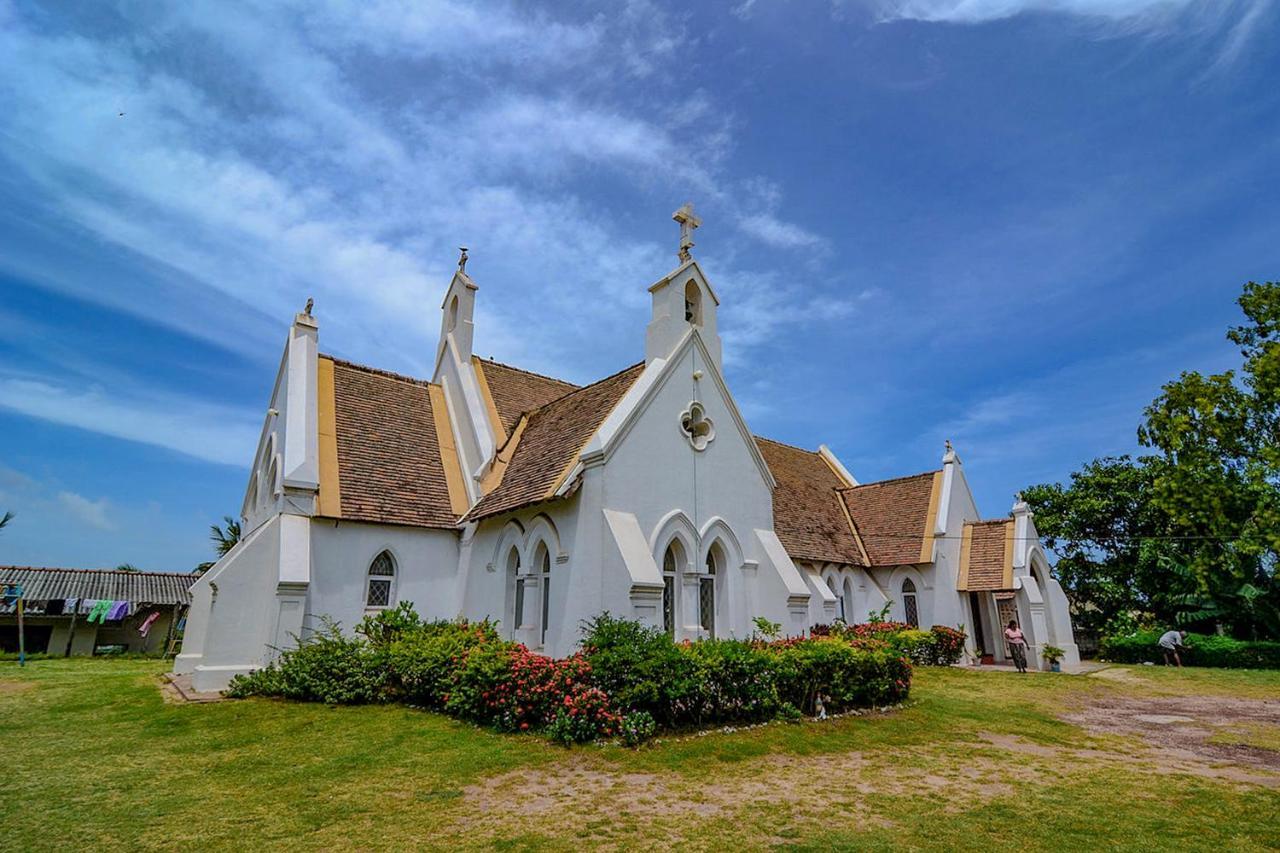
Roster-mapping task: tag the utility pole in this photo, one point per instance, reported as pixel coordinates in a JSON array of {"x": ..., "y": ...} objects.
[{"x": 14, "y": 590}]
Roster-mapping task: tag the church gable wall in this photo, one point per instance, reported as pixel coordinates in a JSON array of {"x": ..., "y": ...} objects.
[{"x": 654, "y": 471}]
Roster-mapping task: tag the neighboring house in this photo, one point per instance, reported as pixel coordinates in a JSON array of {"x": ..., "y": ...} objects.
[
  {"x": 58, "y": 604},
  {"x": 492, "y": 492}
]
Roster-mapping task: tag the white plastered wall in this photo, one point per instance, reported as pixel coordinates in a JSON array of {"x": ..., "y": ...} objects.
[{"x": 425, "y": 559}]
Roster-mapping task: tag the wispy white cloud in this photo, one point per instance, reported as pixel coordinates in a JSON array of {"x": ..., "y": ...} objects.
[
  {"x": 773, "y": 231},
  {"x": 972, "y": 11},
  {"x": 182, "y": 424},
  {"x": 1231, "y": 24},
  {"x": 302, "y": 181},
  {"x": 92, "y": 513}
]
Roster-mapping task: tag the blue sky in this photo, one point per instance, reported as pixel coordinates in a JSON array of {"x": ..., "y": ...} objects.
[{"x": 1005, "y": 222}]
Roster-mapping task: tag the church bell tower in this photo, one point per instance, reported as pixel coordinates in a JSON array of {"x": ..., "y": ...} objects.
[{"x": 682, "y": 300}]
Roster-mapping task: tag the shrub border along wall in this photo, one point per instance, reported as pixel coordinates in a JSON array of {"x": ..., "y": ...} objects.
[
  {"x": 1202, "y": 650},
  {"x": 629, "y": 680}
]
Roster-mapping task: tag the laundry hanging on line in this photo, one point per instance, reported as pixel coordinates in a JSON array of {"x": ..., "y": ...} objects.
[{"x": 145, "y": 627}]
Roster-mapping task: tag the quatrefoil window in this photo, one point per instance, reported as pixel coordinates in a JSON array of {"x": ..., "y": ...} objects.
[{"x": 696, "y": 426}]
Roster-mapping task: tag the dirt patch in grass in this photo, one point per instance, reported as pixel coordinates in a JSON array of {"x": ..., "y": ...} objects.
[
  {"x": 1185, "y": 726},
  {"x": 12, "y": 688},
  {"x": 582, "y": 791}
]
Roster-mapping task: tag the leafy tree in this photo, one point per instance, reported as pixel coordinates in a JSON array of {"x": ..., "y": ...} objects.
[
  {"x": 1190, "y": 533},
  {"x": 1104, "y": 528},
  {"x": 5, "y": 519},
  {"x": 1218, "y": 473},
  {"x": 127, "y": 567},
  {"x": 224, "y": 539}
]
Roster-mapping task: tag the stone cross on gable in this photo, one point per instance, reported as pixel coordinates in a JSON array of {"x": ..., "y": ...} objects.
[{"x": 688, "y": 222}]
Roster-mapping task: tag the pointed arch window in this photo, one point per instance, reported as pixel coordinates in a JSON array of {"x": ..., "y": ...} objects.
[
  {"x": 544, "y": 568},
  {"x": 671, "y": 561},
  {"x": 910, "y": 609},
  {"x": 380, "y": 589},
  {"x": 517, "y": 582},
  {"x": 707, "y": 591},
  {"x": 834, "y": 586},
  {"x": 453, "y": 314}
]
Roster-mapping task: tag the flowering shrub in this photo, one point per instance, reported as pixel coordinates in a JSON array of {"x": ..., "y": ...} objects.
[
  {"x": 939, "y": 646},
  {"x": 536, "y": 690},
  {"x": 948, "y": 645},
  {"x": 637, "y": 728},
  {"x": 584, "y": 715}
]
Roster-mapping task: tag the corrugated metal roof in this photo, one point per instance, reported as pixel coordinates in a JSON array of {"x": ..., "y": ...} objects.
[{"x": 135, "y": 587}]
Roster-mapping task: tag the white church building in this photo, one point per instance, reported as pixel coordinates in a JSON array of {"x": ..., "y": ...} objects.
[{"x": 493, "y": 492}]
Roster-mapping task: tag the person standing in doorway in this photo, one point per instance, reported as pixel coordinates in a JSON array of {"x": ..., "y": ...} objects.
[
  {"x": 1017, "y": 645},
  {"x": 1171, "y": 643}
]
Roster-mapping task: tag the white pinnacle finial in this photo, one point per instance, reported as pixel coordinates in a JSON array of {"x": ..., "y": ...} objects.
[{"x": 688, "y": 222}]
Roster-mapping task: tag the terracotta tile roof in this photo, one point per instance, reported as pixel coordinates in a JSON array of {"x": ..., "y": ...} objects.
[
  {"x": 552, "y": 439},
  {"x": 891, "y": 517},
  {"x": 389, "y": 466},
  {"x": 984, "y": 556},
  {"x": 517, "y": 391},
  {"x": 807, "y": 515},
  {"x": 138, "y": 587}
]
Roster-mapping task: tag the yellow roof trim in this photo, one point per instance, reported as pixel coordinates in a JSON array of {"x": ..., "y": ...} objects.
[
  {"x": 501, "y": 459},
  {"x": 329, "y": 500},
  {"x": 499, "y": 432},
  {"x": 839, "y": 475},
  {"x": 857, "y": 535},
  {"x": 966, "y": 547},
  {"x": 926, "y": 541},
  {"x": 458, "y": 501}
]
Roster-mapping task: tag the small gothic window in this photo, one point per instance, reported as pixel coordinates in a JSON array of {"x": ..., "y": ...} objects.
[
  {"x": 382, "y": 576},
  {"x": 453, "y": 313},
  {"x": 692, "y": 303},
  {"x": 545, "y": 568},
  {"x": 670, "y": 562},
  {"x": 910, "y": 609},
  {"x": 513, "y": 569},
  {"x": 707, "y": 593},
  {"x": 832, "y": 585}
]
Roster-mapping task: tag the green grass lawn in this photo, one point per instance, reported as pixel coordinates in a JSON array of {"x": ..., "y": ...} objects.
[{"x": 93, "y": 757}]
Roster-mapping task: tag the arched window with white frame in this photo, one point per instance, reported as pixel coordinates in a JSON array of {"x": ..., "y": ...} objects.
[
  {"x": 672, "y": 560},
  {"x": 516, "y": 585},
  {"x": 542, "y": 560},
  {"x": 910, "y": 607},
  {"x": 380, "y": 586},
  {"x": 834, "y": 585},
  {"x": 707, "y": 589}
]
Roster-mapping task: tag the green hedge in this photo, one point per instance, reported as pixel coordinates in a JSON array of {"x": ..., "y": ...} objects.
[
  {"x": 627, "y": 680},
  {"x": 1202, "y": 650}
]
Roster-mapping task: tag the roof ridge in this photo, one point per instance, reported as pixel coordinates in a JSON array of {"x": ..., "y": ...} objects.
[
  {"x": 95, "y": 571},
  {"x": 528, "y": 372},
  {"x": 1004, "y": 520},
  {"x": 377, "y": 371},
  {"x": 784, "y": 444},
  {"x": 890, "y": 480},
  {"x": 550, "y": 403}
]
